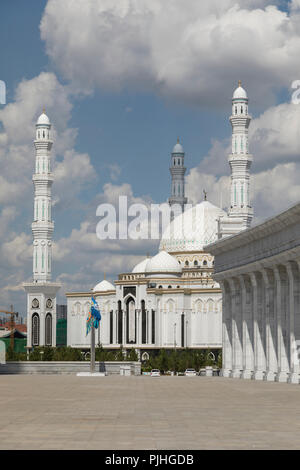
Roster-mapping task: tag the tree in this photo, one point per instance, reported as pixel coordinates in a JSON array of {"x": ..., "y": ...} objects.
[{"x": 132, "y": 356}]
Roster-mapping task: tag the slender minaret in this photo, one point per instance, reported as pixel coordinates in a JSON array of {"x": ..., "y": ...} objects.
[
  {"x": 240, "y": 160},
  {"x": 177, "y": 171},
  {"x": 41, "y": 293}
]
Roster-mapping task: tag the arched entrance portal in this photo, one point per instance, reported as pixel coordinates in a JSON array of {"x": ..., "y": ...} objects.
[{"x": 130, "y": 321}]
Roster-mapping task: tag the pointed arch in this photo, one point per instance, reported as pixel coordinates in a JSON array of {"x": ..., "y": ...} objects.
[
  {"x": 35, "y": 329},
  {"x": 48, "y": 330}
]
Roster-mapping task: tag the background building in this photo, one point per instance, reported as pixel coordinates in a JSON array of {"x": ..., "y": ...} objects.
[{"x": 171, "y": 300}]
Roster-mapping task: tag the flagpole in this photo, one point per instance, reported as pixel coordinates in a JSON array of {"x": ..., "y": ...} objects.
[{"x": 92, "y": 363}]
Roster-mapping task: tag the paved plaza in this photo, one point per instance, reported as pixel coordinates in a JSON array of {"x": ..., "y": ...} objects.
[{"x": 69, "y": 412}]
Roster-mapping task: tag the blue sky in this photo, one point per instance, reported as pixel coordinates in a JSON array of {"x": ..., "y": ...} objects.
[{"x": 128, "y": 82}]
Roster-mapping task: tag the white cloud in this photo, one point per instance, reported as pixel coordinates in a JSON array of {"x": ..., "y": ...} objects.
[{"x": 192, "y": 54}]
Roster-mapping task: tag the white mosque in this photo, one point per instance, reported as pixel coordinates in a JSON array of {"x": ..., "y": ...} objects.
[{"x": 167, "y": 301}]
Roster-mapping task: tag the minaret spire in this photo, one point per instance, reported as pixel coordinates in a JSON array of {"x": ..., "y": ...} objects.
[
  {"x": 41, "y": 293},
  {"x": 177, "y": 171},
  {"x": 240, "y": 160},
  {"x": 42, "y": 226}
]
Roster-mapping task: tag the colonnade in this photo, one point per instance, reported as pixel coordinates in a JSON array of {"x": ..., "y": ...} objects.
[{"x": 261, "y": 322}]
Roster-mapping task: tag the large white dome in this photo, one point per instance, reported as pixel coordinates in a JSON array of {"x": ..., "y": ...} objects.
[
  {"x": 140, "y": 267},
  {"x": 163, "y": 263},
  {"x": 103, "y": 286},
  {"x": 193, "y": 229}
]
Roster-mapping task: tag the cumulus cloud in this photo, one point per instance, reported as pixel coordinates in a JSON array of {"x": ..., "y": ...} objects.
[{"x": 191, "y": 54}]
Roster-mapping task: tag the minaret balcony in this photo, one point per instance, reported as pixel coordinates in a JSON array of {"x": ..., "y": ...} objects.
[
  {"x": 42, "y": 227},
  {"x": 42, "y": 177}
]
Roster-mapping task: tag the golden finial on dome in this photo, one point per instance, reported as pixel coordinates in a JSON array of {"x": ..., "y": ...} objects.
[
  {"x": 104, "y": 275},
  {"x": 205, "y": 195},
  {"x": 44, "y": 110},
  {"x": 177, "y": 140},
  {"x": 240, "y": 83}
]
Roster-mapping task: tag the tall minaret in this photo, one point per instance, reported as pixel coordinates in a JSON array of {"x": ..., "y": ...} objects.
[
  {"x": 240, "y": 160},
  {"x": 41, "y": 293},
  {"x": 177, "y": 171}
]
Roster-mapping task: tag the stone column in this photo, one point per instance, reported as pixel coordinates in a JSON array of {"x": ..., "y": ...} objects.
[
  {"x": 226, "y": 327},
  {"x": 124, "y": 326},
  {"x": 259, "y": 354},
  {"x": 140, "y": 327},
  {"x": 281, "y": 305},
  {"x": 150, "y": 327},
  {"x": 247, "y": 329},
  {"x": 271, "y": 337},
  {"x": 115, "y": 327},
  {"x": 236, "y": 306},
  {"x": 293, "y": 278}
]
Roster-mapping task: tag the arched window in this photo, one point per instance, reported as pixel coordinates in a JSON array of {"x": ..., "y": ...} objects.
[
  {"x": 178, "y": 161},
  {"x": 205, "y": 263},
  {"x": 169, "y": 287},
  {"x": 236, "y": 110},
  {"x": 35, "y": 329},
  {"x": 44, "y": 134},
  {"x": 160, "y": 287},
  {"x": 48, "y": 329},
  {"x": 241, "y": 109},
  {"x": 186, "y": 263},
  {"x": 195, "y": 263}
]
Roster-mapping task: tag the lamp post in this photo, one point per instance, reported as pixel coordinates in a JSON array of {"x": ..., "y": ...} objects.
[{"x": 92, "y": 363}]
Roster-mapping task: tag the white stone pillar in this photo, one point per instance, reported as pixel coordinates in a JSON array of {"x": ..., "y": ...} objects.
[
  {"x": 259, "y": 354},
  {"x": 293, "y": 278},
  {"x": 281, "y": 300},
  {"x": 115, "y": 326},
  {"x": 140, "y": 326},
  {"x": 271, "y": 337},
  {"x": 149, "y": 327},
  {"x": 247, "y": 329},
  {"x": 226, "y": 327},
  {"x": 236, "y": 328},
  {"x": 124, "y": 326}
]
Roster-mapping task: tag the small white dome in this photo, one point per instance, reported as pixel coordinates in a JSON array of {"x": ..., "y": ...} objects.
[
  {"x": 140, "y": 267},
  {"x": 239, "y": 92},
  {"x": 193, "y": 229},
  {"x": 43, "y": 119},
  {"x": 103, "y": 286},
  {"x": 163, "y": 263},
  {"x": 177, "y": 148}
]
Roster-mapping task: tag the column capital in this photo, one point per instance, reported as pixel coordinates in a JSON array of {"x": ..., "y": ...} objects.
[{"x": 253, "y": 279}]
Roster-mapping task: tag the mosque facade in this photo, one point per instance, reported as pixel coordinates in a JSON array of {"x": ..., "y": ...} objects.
[{"x": 169, "y": 300}]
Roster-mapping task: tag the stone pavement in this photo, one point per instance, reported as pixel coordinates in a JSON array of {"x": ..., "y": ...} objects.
[{"x": 69, "y": 412}]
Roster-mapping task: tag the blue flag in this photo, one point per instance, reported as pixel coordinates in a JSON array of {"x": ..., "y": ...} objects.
[{"x": 94, "y": 316}]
